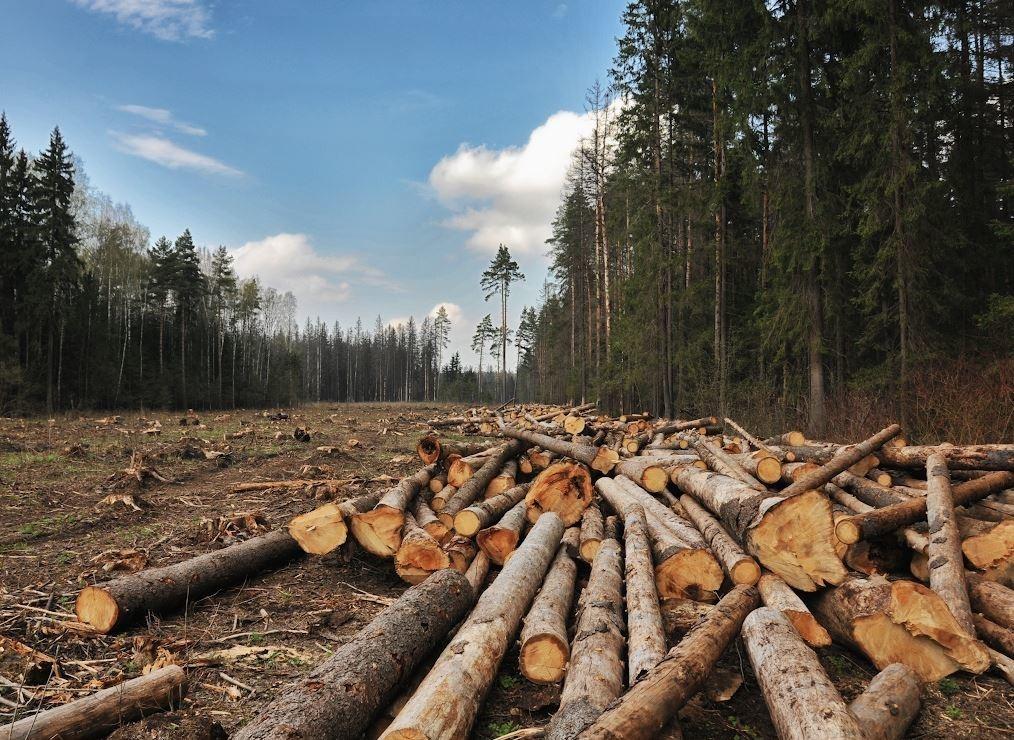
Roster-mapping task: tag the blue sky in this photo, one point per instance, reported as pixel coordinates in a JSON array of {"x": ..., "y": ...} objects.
[{"x": 367, "y": 156}]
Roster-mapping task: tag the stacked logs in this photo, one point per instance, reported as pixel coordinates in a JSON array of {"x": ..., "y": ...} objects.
[{"x": 684, "y": 535}]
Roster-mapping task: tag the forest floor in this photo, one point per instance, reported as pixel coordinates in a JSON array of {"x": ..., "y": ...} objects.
[{"x": 245, "y": 643}]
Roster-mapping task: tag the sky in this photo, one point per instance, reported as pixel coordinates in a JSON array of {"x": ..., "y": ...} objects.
[{"x": 367, "y": 156}]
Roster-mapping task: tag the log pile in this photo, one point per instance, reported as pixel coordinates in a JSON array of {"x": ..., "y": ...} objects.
[{"x": 632, "y": 552}]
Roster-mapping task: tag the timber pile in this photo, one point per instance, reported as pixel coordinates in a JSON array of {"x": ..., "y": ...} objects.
[{"x": 633, "y": 552}]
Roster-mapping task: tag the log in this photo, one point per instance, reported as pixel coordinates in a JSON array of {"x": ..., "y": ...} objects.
[
  {"x": 428, "y": 520},
  {"x": 430, "y": 449},
  {"x": 890, "y": 703},
  {"x": 844, "y": 459},
  {"x": 440, "y": 499},
  {"x": 722, "y": 463},
  {"x": 324, "y": 529},
  {"x": 479, "y": 515},
  {"x": 776, "y": 594},
  {"x": 679, "y": 616},
  {"x": 986, "y": 545},
  {"x": 683, "y": 426},
  {"x": 106, "y": 606},
  {"x": 601, "y": 459},
  {"x": 761, "y": 466},
  {"x": 504, "y": 480},
  {"x": 881, "y": 521},
  {"x": 997, "y": 637},
  {"x": 591, "y": 532},
  {"x": 437, "y": 482},
  {"x": 645, "y": 471},
  {"x": 653, "y": 701},
  {"x": 767, "y": 526},
  {"x": 740, "y": 567},
  {"x": 545, "y": 648},
  {"x": 946, "y": 564},
  {"x": 899, "y": 622},
  {"x": 563, "y": 488},
  {"x": 341, "y": 696},
  {"x": 993, "y": 600},
  {"x": 501, "y": 539},
  {"x": 378, "y": 531},
  {"x": 793, "y": 471},
  {"x": 868, "y": 491},
  {"x": 789, "y": 439},
  {"x": 802, "y": 701},
  {"x": 470, "y": 490},
  {"x": 646, "y": 633},
  {"x": 968, "y": 457},
  {"x": 881, "y": 477},
  {"x": 447, "y": 701},
  {"x": 595, "y": 675},
  {"x": 751, "y": 440},
  {"x": 460, "y": 469},
  {"x": 460, "y": 550},
  {"x": 419, "y": 555},
  {"x": 100, "y": 713}
]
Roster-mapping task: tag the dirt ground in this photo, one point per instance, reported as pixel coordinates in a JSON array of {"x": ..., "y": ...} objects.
[{"x": 56, "y": 537}]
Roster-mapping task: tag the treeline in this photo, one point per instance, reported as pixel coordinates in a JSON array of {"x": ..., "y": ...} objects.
[
  {"x": 93, "y": 315},
  {"x": 793, "y": 208}
]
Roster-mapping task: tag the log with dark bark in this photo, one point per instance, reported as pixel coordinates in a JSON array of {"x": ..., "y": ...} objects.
[
  {"x": 652, "y": 702},
  {"x": 378, "y": 531},
  {"x": 100, "y": 713},
  {"x": 890, "y": 518},
  {"x": 789, "y": 439},
  {"x": 564, "y": 488},
  {"x": 129, "y": 598},
  {"x": 968, "y": 457},
  {"x": 844, "y": 459},
  {"x": 740, "y": 567},
  {"x": 500, "y": 540},
  {"x": 775, "y": 593},
  {"x": 899, "y": 622},
  {"x": 683, "y": 426},
  {"x": 868, "y": 491},
  {"x": 419, "y": 555},
  {"x": 591, "y": 532},
  {"x": 480, "y": 515},
  {"x": 890, "y": 703},
  {"x": 646, "y": 644},
  {"x": 601, "y": 459},
  {"x": 545, "y": 648},
  {"x": 802, "y": 701},
  {"x": 447, "y": 701},
  {"x": 647, "y": 472},
  {"x": 595, "y": 675},
  {"x": 768, "y": 527},
  {"x": 325, "y": 529},
  {"x": 341, "y": 696}
]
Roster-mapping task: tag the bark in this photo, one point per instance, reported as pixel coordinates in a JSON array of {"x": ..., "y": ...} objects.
[
  {"x": 890, "y": 703},
  {"x": 545, "y": 648},
  {"x": 684, "y": 426},
  {"x": 447, "y": 701},
  {"x": 378, "y": 531},
  {"x": 500, "y": 540},
  {"x": 802, "y": 701},
  {"x": 479, "y": 515},
  {"x": 102, "y": 712},
  {"x": 325, "y": 529},
  {"x": 647, "y": 472},
  {"x": 563, "y": 488},
  {"x": 844, "y": 459},
  {"x": 681, "y": 615},
  {"x": 946, "y": 564},
  {"x": 419, "y": 555},
  {"x": 428, "y": 520},
  {"x": 474, "y": 487},
  {"x": 128, "y": 599},
  {"x": 591, "y": 532},
  {"x": 504, "y": 480},
  {"x": 868, "y": 491},
  {"x": 460, "y": 550},
  {"x": 601, "y": 459},
  {"x": 968, "y": 457},
  {"x": 646, "y": 634},
  {"x": 652, "y": 702},
  {"x": 595, "y": 675},
  {"x": 993, "y": 600},
  {"x": 751, "y": 440},
  {"x": 776, "y": 594},
  {"x": 341, "y": 696},
  {"x": 997, "y": 637},
  {"x": 740, "y": 567},
  {"x": 720, "y": 462},
  {"x": 431, "y": 449},
  {"x": 440, "y": 499}
]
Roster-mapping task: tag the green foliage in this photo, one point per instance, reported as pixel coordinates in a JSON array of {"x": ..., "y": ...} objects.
[{"x": 948, "y": 686}]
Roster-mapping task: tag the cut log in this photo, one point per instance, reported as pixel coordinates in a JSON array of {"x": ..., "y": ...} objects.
[
  {"x": 102, "y": 712},
  {"x": 505, "y": 480},
  {"x": 646, "y": 633},
  {"x": 752, "y": 440},
  {"x": 775, "y": 593},
  {"x": 502, "y": 538},
  {"x": 793, "y": 471},
  {"x": 683, "y": 426},
  {"x": 447, "y": 701},
  {"x": 545, "y": 648},
  {"x": 460, "y": 469},
  {"x": 946, "y": 564},
  {"x": 890, "y": 703},
  {"x": 899, "y": 622},
  {"x": 881, "y": 477},
  {"x": 431, "y": 449},
  {"x": 890, "y": 518},
  {"x": 461, "y": 551},
  {"x": 986, "y": 544},
  {"x": 645, "y": 471},
  {"x": 563, "y": 488},
  {"x": 595, "y": 675},
  {"x": 993, "y": 600},
  {"x": 802, "y": 701},
  {"x": 740, "y": 567},
  {"x": 116, "y": 603},
  {"x": 789, "y": 439},
  {"x": 654, "y": 700},
  {"x": 591, "y": 532},
  {"x": 324, "y": 529},
  {"x": 997, "y": 637},
  {"x": 844, "y": 459},
  {"x": 719, "y": 461},
  {"x": 768, "y": 527},
  {"x": 419, "y": 555},
  {"x": 601, "y": 459},
  {"x": 868, "y": 491},
  {"x": 341, "y": 696},
  {"x": 378, "y": 531},
  {"x": 479, "y": 515},
  {"x": 440, "y": 499},
  {"x": 681, "y": 615},
  {"x": 969, "y": 457},
  {"x": 437, "y": 482},
  {"x": 473, "y": 488},
  {"x": 761, "y": 465},
  {"x": 428, "y": 520}
]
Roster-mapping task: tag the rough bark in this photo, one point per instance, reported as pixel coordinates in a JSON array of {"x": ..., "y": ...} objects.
[
  {"x": 681, "y": 615},
  {"x": 993, "y": 600},
  {"x": 775, "y": 593},
  {"x": 325, "y": 529},
  {"x": 890, "y": 703},
  {"x": 646, "y": 633},
  {"x": 946, "y": 564},
  {"x": 844, "y": 459},
  {"x": 474, "y": 487},
  {"x": 740, "y": 567},
  {"x": 997, "y": 637},
  {"x": 545, "y": 648},
  {"x": 591, "y": 532},
  {"x": 601, "y": 459},
  {"x": 478, "y": 516},
  {"x": 969, "y": 457},
  {"x": 431, "y": 449},
  {"x": 428, "y": 520},
  {"x": 722, "y": 463},
  {"x": 647, "y": 472},
  {"x": 563, "y": 488},
  {"x": 378, "y": 531},
  {"x": 504, "y": 480}
]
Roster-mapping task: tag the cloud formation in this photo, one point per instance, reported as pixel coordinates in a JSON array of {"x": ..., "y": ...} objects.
[
  {"x": 168, "y": 20},
  {"x": 510, "y": 195},
  {"x": 290, "y": 262},
  {"x": 169, "y": 154},
  {"x": 162, "y": 117}
]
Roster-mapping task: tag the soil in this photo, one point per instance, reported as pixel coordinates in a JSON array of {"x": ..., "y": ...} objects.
[{"x": 57, "y": 536}]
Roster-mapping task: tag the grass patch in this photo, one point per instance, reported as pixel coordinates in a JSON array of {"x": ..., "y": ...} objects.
[
  {"x": 948, "y": 686},
  {"x": 507, "y": 682},
  {"x": 954, "y": 713},
  {"x": 496, "y": 729},
  {"x": 48, "y": 525}
]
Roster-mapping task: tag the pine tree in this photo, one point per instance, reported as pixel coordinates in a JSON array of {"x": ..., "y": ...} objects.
[
  {"x": 484, "y": 333},
  {"x": 497, "y": 280}
]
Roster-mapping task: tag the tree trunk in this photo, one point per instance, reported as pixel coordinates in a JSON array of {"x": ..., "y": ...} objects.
[
  {"x": 500, "y": 540},
  {"x": 127, "y": 599},
  {"x": 946, "y": 564},
  {"x": 472, "y": 488},
  {"x": 447, "y": 701},
  {"x": 802, "y": 701},
  {"x": 763, "y": 466},
  {"x": 341, "y": 696},
  {"x": 646, "y": 634},
  {"x": 968, "y": 457},
  {"x": 601, "y": 459},
  {"x": 419, "y": 554},
  {"x": 776, "y": 594},
  {"x": 842, "y": 460},
  {"x": 545, "y": 649},
  {"x": 890, "y": 703},
  {"x": 993, "y": 600},
  {"x": 591, "y": 532},
  {"x": 378, "y": 531},
  {"x": 653, "y": 701},
  {"x": 740, "y": 567},
  {"x": 564, "y": 488},
  {"x": 645, "y": 471},
  {"x": 325, "y": 529},
  {"x": 478, "y": 516}
]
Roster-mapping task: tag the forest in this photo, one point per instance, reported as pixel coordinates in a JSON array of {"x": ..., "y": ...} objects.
[{"x": 797, "y": 206}]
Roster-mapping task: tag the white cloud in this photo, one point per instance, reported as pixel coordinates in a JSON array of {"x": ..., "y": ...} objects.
[
  {"x": 162, "y": 117},
  {"x": 454, "y": 312},
  {"x": 290, "y": 262},
  {"x": 510, "y": 195},
  {"x": 162, "y": 151},
  {"x": 169, "y": 20}
]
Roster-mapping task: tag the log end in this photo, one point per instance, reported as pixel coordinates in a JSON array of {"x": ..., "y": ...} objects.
[
  {"x": 589, "y": 548},
  {"x": 654, "y": 478},
  {"x": 847, "y": 531},
  {"x": 428, "y": 449},
  {"x": 564, "y": 488},
  {"x": 544, "y": 659},
  {"x": 769, "y": 470},
  {"x": 458, "y": 473},
  {"x": 990, "y": 548},
  {"x": 605, "y": 460},
  {"x": 497, "y": 543},
  {"x": 808, "y": 628},
  {"x": 794, "y": 439},
  {"x": 97, "y": 607},
  {"x": 378, "y": 531},
  {"x": 466, "y": 523},
  {"x": 320, "y": 531},
  {"x": 689, "y": 574},
  {"x": 745, "y": 572}
]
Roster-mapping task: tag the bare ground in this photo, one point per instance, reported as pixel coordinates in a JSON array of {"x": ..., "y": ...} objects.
[{"x": 55, "y": 537}]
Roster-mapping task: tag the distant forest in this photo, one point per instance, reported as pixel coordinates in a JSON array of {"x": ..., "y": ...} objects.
[{"x": 796, "y": 211}]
